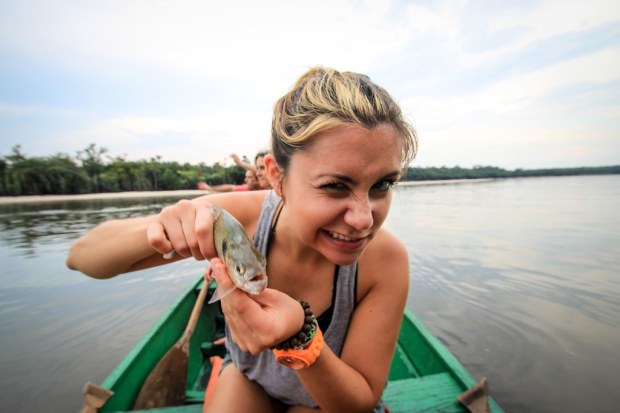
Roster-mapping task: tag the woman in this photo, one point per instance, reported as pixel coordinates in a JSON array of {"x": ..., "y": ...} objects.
[{"x": 339, "y": 144}]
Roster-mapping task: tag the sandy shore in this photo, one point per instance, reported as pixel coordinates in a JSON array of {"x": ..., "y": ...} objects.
[
  {"x": 190, "y": 193},
  {"x": 108, "y": 195}
]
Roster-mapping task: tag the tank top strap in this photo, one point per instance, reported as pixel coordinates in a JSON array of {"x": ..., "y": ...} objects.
[{"x": 263, "y": 228}]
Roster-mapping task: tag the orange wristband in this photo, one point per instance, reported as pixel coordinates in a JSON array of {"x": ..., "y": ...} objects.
[{"x": 300, "y": 359}]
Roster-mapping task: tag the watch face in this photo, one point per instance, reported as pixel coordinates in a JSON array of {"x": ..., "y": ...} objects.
[
  {"x": 293, "y": 362},
  {"x": 300, "y": 359}
]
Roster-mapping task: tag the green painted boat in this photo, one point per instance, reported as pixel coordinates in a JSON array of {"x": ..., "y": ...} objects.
[{"x": 424, "y": 375}]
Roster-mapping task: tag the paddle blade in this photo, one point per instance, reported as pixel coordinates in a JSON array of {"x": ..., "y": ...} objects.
[
  {"x": 95, "y": 396},
  {"x": 165, "y": 386},
  {"x": 476, "y": 399}
]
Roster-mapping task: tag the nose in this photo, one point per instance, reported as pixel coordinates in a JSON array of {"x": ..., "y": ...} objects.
[{"x": 359, "y": 214}]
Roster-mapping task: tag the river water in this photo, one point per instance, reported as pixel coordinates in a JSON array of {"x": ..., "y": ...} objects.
[{"x": 520, "y": 278}]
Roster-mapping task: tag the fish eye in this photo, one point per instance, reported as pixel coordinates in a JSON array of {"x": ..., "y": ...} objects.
[{"x": 240, "y": 269}]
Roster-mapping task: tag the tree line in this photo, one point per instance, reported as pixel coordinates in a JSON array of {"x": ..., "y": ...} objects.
[
  {"x": 479, "y": 172},
  {"x": 92, "y": 170}
]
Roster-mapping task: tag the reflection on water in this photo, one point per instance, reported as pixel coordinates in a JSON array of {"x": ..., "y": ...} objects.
[
  {"x": 519, "y": 278},
  {"x": 58, "y": 328}
]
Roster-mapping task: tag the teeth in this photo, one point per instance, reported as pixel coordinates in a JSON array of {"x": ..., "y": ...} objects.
[{"x": 340, "y": 236}]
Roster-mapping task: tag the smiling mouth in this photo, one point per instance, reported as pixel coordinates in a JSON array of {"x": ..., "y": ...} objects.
[{"x": 341, "y": 237}]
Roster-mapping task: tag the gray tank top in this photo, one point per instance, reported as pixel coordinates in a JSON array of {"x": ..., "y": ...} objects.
[{"x": 278, "y": 381}]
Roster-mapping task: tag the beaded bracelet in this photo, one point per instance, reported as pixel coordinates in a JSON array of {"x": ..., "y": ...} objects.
[{"x": 305, "y": 335}]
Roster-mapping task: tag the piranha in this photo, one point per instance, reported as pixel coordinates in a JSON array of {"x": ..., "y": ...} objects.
[{"x": 246, "y": 266}]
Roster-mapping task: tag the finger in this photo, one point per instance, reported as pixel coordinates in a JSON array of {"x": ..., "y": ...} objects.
[
  {"x": 220, "y": 273},
  {"x": 188, "y": 224},
  {"x": 204, "y": 231},
  {"x": 208, "y": 275},
  {"x": 170, "y": 219},
  {"x": 156, "y": 237}
]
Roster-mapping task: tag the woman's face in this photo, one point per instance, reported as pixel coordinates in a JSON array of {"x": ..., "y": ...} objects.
[
  {"x": 263, "y": 182},
  {"x": 338, "y": 190},
  {"x": 250, "y": 180}
]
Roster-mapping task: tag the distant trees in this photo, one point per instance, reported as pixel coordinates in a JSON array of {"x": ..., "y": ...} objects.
[
  {"x": 93, "y": 164},
  {"x": 92, "y": 170},
  {"x": 478, "y": 172},
  {"x": 51, "y": 175}
]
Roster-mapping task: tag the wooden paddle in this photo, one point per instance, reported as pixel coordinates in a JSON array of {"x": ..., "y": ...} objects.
[
  {"x": 476, "y": 399},
  {"x": 165, "y": 386}
]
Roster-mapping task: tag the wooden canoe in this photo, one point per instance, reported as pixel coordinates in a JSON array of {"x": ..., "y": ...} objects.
[{"x": 424, "y": 375}]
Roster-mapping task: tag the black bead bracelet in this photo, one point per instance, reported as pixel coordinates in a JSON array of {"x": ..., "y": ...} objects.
[{"x": 305, "y": 335}]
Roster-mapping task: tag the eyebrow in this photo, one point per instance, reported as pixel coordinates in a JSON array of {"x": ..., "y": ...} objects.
[{"x": 349, "y": 180}]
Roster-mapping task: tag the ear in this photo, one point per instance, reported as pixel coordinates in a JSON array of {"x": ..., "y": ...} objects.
[{"x": 274, "y": 173}]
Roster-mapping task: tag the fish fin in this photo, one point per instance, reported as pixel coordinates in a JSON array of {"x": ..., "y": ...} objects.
[{"x": 220, "y": 293}]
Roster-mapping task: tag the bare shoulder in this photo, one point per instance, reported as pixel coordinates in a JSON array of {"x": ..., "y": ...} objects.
[
  {"x": 245, "y": 206},
  {"x": 386, "y": 245},
  {"x": 384, "y": 264}
]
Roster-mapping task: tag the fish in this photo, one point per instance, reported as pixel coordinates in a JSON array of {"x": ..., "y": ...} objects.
[{"x": 247, "y": 267}]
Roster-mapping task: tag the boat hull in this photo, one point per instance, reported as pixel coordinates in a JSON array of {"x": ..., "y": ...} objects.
[{"x": 424, "y": 376}]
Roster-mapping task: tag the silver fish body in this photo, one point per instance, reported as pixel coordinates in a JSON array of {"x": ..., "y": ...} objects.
[{"x": 246, "y": 266}]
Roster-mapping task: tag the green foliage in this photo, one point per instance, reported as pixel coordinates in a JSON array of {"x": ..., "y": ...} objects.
[
  {"x": 479, "y": 172},
  {"x": 90, "y": 171}
]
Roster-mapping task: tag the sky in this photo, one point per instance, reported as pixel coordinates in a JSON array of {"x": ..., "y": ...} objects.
[{"x": 515, "y": 84}]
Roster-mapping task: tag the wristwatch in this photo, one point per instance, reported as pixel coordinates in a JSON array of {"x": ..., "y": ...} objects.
[{"x": 296, "y": 358}]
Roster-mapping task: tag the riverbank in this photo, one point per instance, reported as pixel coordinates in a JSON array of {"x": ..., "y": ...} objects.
[{"x": 180, "y": 193}]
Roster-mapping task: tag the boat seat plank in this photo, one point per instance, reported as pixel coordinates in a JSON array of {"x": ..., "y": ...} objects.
[{"x": 435, "y": 393}]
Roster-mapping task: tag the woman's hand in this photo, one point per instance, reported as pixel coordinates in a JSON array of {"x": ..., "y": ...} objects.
[
  {"x": 185, "y": 227},
  {"x": 257, "y": 322}
]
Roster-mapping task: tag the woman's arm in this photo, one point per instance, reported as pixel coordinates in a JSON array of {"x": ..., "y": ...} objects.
[
  {"x": 355, "y": 381},
  {"x": 112, "y": 248},
  {"x": 120, "y": 246}
]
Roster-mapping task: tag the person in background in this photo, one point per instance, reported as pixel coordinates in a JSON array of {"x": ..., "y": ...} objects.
[
  {"x": 250, "y": 184},
  {"x": 243, "y": 164},
  {"x": 258, "y": 168},
  {"x": 258, "y": 171},
  {"x": 259, "y": 161},
  {"x": 321, "y": 336}
]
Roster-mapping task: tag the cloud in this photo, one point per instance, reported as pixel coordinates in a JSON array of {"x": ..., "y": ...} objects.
[
  {"x": 231, "y": 39},
  {"x": 192, "y": 81},
  {"x": 206, "y": 139},
  {"x": 13, "y": 110}
]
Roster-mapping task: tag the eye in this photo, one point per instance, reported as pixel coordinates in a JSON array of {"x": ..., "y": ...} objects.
[
  {"x": 384, "y": 186},
  {"x": 240, "y": 269},
  {"x": 335, "y": 189},
  {"x": 334, "y": 186}
]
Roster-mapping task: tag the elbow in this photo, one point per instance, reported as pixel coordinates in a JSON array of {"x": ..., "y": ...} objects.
[
  {"x": 78, "y": 260},
  {"x": 73, "y": 258}
]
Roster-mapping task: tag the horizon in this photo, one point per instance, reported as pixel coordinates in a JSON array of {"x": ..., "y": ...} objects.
[
  {"x": 228, "y": 163},
  {"x": 526, "y": 85}
]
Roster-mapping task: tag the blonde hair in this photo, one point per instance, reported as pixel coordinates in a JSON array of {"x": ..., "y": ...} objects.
[{"x": 323, "y": 98}]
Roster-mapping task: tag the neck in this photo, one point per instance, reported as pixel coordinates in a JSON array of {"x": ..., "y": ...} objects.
[{"x": 285, "y": 241}]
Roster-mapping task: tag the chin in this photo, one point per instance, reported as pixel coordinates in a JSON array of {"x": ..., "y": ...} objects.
[{"x": 342, "y": 259}]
